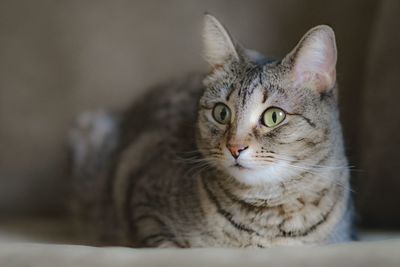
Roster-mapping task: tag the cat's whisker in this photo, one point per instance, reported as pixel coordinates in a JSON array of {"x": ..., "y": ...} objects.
[
  {"x": 320, "y": 175},
  {"x": 190, "y": 160},
  {"x": 313, "y": 165},
  {"x": 269, "y": 161},
  {"x": 190, "y": 152},
  {"x": 199, "y": 166}
]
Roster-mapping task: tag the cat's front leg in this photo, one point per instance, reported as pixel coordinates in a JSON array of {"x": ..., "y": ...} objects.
[
  {"x": 168, "y": 244},
  {"x": 164, "y": 244}
]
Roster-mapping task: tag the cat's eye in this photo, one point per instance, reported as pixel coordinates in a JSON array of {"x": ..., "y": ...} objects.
[
  {"x": 273, "y": 117},
  {"x": 221, "y": 113}
]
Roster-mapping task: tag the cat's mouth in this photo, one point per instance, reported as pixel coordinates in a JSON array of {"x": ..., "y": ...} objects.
[{"x": 239, "y": 166}]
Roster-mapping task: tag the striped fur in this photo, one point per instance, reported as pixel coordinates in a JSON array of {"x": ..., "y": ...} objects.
[{"x": 170, "y": 180}]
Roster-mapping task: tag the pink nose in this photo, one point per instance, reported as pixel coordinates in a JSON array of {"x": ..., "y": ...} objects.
[{"x": 235, "y": 149}]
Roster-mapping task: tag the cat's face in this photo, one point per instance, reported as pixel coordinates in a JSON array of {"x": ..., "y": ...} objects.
[{"x": 264, "y": 122}]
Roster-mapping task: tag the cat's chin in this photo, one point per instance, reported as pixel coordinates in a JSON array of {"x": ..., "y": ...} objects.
[
  {"x": 254, "y": 176},
  {"x": 240, "y": 167}
]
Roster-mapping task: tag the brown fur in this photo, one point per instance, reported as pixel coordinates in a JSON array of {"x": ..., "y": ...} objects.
[{"x": 172, "y": 182}]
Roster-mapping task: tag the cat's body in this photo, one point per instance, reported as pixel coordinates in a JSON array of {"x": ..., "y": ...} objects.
[{"x": 173, "y": 172}]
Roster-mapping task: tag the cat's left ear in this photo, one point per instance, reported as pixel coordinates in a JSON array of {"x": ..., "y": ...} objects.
[
  {"x": 219, "y": 47},
  {"x": 313, "y": 61}
]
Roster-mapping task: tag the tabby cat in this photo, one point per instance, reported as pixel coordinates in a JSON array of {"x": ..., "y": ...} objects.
[{"x": 249, "y": 155}]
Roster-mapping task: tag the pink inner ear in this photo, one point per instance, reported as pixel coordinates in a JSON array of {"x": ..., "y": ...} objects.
[
  {"x": 315, "y": 62},
  {"x": 319, "y": 81}
]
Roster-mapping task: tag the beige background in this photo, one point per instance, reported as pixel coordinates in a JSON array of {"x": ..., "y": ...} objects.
[{"x": 58, "y": 58}]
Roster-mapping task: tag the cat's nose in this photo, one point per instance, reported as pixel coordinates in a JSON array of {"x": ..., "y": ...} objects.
[{"x": 236, "y": 149}]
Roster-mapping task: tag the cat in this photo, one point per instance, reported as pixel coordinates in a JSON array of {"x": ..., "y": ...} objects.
[{"x": 250, "y": 154}]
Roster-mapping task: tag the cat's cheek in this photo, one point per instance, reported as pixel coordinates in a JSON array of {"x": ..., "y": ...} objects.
[{"x": 210, "y": 134}]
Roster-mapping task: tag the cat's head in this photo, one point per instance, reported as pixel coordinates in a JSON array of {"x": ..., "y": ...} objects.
[{"x": 261, "y": 120}]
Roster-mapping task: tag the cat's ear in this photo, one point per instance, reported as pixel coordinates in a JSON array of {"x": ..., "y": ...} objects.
[
  {"x": 313, "y": 61},
  {"x": 219, "y": 47}
]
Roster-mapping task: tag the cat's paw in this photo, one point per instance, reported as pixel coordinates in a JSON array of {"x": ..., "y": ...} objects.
[{"x": 167, "y": 244}]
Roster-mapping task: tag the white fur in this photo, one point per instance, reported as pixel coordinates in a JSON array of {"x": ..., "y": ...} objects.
[{"x": 260, "y": 175}]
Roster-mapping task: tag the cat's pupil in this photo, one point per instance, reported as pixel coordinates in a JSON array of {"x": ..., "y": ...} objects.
[
  {"x": 223, "y": 114},
  {"x": 274, "y": 117}
]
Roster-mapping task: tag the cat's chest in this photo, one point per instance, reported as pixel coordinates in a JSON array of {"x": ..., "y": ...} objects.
[{"x": 235, "y": 225}]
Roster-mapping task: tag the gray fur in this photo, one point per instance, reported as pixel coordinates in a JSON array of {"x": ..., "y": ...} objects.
[{"x": 171, "y": 181}]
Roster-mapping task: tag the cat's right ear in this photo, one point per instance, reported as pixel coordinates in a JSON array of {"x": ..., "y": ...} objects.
[
  {"x": 313, "y": 60},
  {"x": 219, "y": 48}
]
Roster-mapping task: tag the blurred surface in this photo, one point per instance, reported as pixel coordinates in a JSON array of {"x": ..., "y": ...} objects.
[
  {"x": 61, "y": 230},
  {"x": 352, "y": 254},
  {"x": 58, "y": 58}
]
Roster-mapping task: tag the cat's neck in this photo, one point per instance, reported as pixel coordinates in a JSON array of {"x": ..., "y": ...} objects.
[
  {"x": 306, "y": 187},
  {"x": 290, "y": 209}
]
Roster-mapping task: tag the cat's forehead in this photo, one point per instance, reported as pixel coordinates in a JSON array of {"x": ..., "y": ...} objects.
[
  {"x": 245, "y": 85},
  {"x": 258, "y": 85},
  {"x": 236, "y": 76}
]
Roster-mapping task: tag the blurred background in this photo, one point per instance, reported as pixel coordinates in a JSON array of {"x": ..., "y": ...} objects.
[{"x": 58, "y": 58}]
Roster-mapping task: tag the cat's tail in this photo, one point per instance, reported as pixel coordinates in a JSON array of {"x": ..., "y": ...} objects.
[{"x": 92, "y": 141}]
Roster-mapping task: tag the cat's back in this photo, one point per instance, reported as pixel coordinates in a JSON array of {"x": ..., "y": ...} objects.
[
  {"x": 119, "y": 159},
  {"x": 157, "y": 133},
  {"x": 168, "y": 110}
]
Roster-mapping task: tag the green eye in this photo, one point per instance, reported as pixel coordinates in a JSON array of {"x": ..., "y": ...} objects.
[
  {"x": 221, "y": 113},
  {"x": 273, "y": 116}
]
